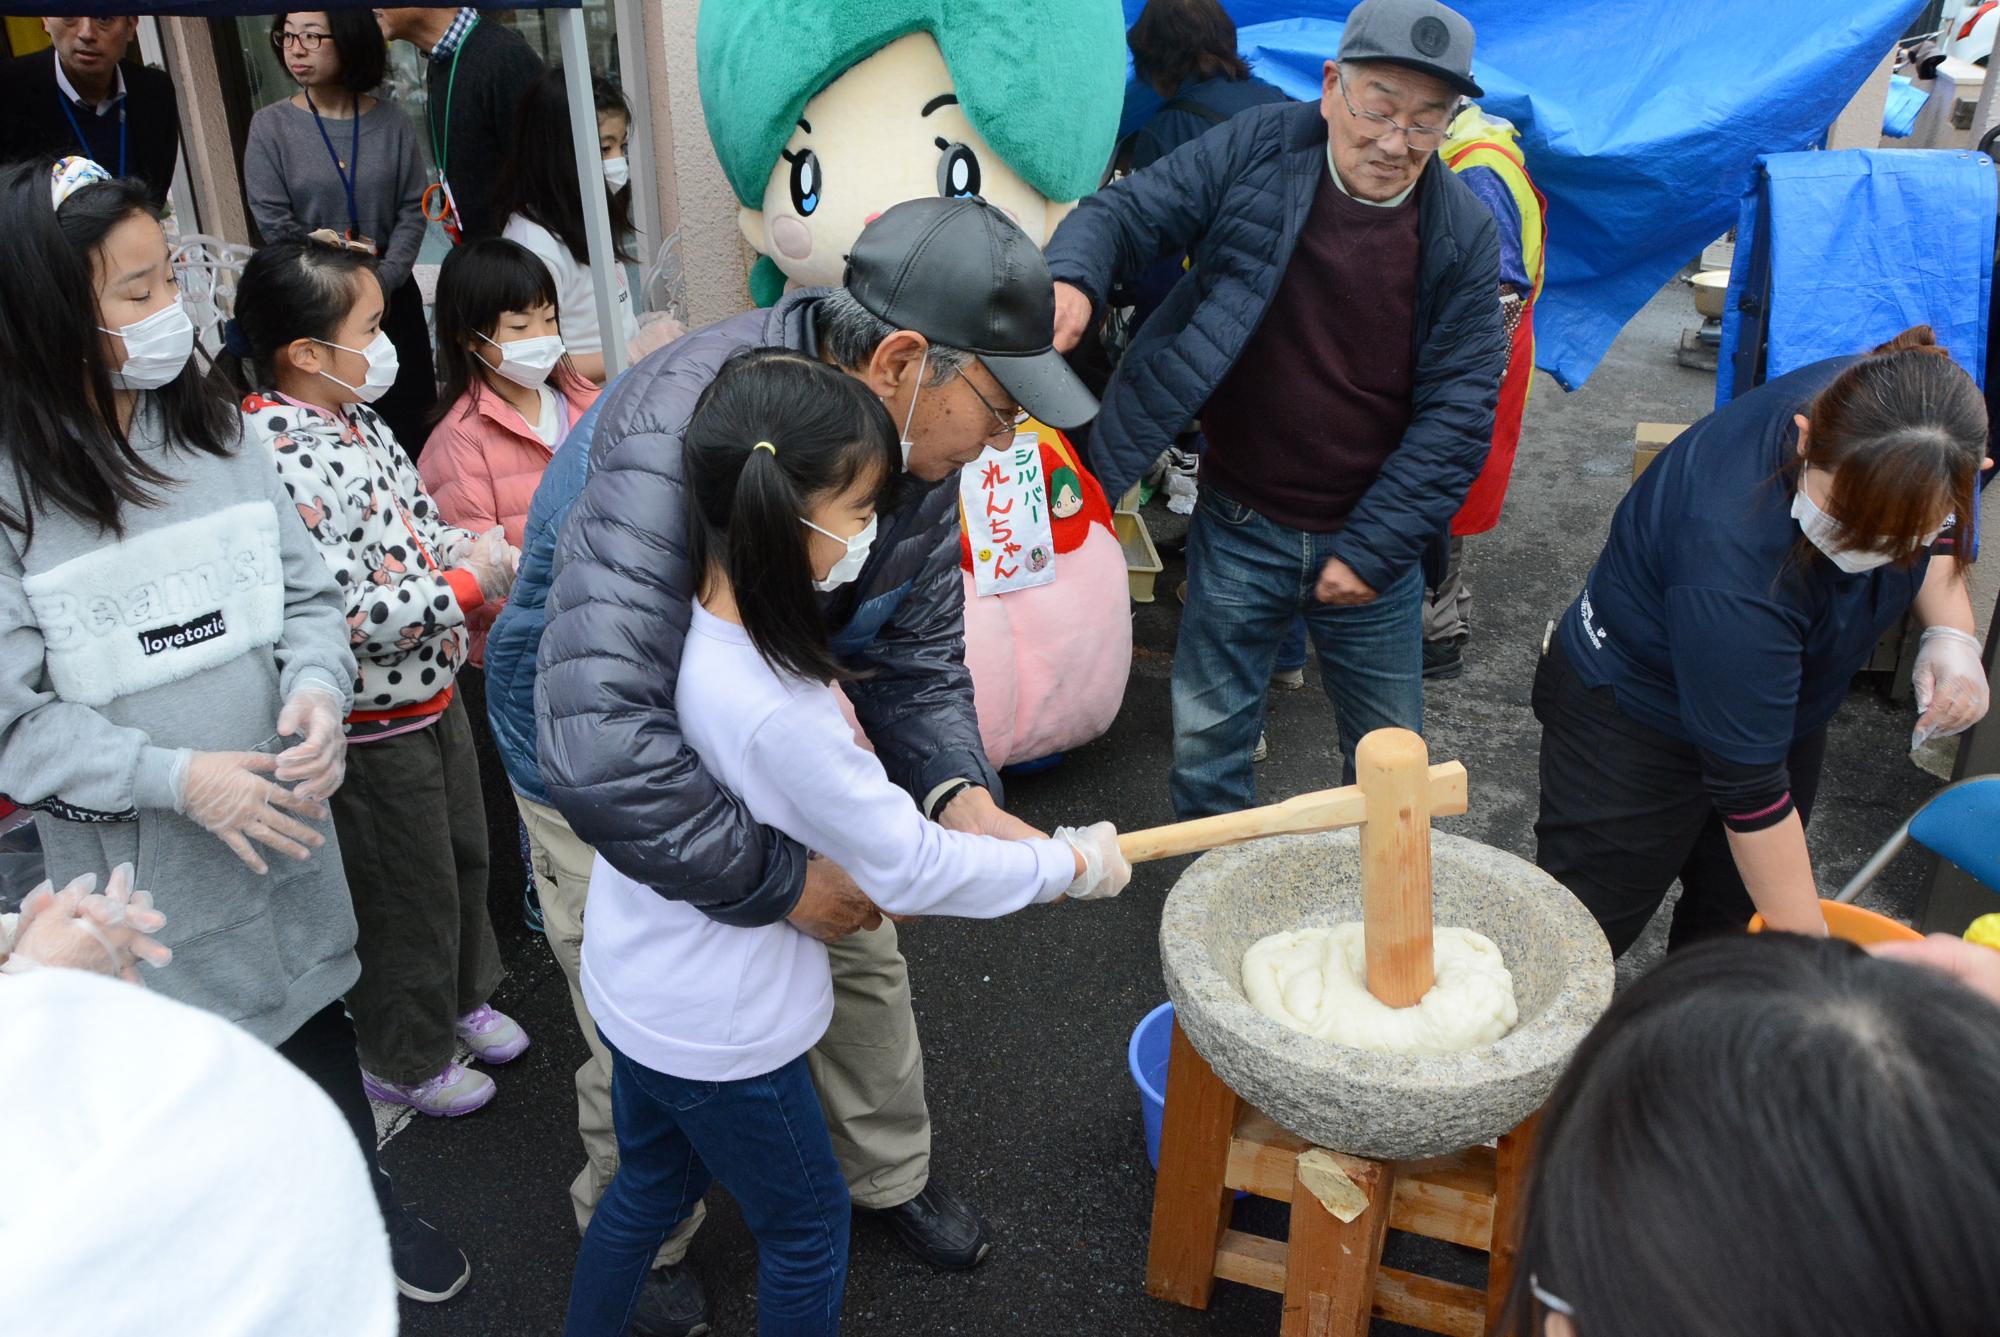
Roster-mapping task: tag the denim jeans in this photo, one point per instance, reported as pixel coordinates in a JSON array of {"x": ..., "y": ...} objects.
[
  {"x": 1248, "y": 578},
  {"x": 1291, "y": 650},
  {"x": 765, "y": 1139}
]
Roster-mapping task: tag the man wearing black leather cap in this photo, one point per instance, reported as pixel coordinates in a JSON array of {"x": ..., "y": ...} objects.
[{"x": 947, "y": 314}]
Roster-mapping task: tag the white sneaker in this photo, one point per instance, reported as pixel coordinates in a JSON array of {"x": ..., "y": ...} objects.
[
  {"x": 1289, "y": 679},
  {"x": 1263, "y": 748}
]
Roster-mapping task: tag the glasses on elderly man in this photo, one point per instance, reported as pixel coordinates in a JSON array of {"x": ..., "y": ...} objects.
[
  {"x": 1002, "y": 422},
  {"x": 304, "y": 41},
  {"x": 1419, "y": 138}
]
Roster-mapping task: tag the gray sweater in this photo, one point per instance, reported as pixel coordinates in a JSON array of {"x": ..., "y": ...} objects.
[
  {"x": 187, "y": 632},
  {"x": 293, "y": 187}
]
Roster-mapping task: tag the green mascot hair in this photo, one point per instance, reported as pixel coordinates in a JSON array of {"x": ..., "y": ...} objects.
[{"x": 1043, "y": 81}]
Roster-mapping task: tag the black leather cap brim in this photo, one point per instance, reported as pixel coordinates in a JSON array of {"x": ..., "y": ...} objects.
[{"x": 1043, "y": 384}]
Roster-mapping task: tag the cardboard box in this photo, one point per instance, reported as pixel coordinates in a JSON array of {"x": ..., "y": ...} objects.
[{"x": 1649, "y": 439}]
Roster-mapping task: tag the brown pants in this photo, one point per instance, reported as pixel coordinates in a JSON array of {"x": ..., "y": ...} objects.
[{"x": 413, "y": 842}]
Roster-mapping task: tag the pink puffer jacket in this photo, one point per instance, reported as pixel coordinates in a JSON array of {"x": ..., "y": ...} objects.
[{"x": 482, "y": 464}]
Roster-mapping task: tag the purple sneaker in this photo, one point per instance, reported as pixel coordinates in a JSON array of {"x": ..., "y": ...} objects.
[
  {"x": 455, "y": 1091},
  {"x": 493, "y": 1037}
]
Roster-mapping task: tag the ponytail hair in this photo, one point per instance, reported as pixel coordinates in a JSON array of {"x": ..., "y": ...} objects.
[
  {"x": 290, "y": 290},
  {"x": 826, "y": 431},
  {"x": 1902, "y": 432}
]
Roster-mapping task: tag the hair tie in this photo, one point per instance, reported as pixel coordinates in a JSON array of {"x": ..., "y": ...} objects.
[
  {"x": 764, "y": 445},
  {"x": 72, "y": 174},
  {"x": 234, "y": 341}
]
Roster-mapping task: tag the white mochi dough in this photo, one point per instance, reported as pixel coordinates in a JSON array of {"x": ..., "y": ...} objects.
[{"x": 1315, "y": 980}]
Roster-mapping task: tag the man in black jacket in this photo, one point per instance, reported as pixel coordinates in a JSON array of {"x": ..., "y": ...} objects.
[
  {"x": 477, "y": 70},
  {"x": 80, "y": 98},
  {"x": 1337, "y": 337},
  {"x": 946, "y": 315}
]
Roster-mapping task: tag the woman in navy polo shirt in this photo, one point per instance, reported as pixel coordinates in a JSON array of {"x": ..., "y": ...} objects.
[{"x": 1684, "y": 696}]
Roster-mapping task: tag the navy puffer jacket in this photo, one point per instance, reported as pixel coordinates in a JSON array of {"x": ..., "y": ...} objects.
[
  {"x": 609, "y": 739},
  {"x": 1234, "y": 200}
]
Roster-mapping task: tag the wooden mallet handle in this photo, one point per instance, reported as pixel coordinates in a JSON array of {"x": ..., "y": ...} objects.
[
  {"x": 1307, "y": 814},
  {"x": 1393, "y": 766}
]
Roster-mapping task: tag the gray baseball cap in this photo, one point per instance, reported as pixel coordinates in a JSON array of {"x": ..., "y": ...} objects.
[
  {"x": 1421, "y": 35},
  {"x": 961, "y": 273}
]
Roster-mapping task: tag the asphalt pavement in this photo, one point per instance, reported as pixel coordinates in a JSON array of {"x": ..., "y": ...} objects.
[{"x": 1025, "y": 1020}]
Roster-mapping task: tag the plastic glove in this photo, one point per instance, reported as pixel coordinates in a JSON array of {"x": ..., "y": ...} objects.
[
  {"x": 227, "y": 793},
  {"x": 1105, "y": 871},
  {"x": 1950, "y": 685},
  {"x": 657, "y": 329},
  {"x": 79, "y": 930},
  {"x": 492, "y": 562},
  {"x": 316, "y": 766}
]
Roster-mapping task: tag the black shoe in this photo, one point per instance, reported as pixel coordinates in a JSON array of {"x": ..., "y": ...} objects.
[
  {"x": 672, "y": 1305},
  {"x": 428, "y": 1266},
  {"x": 1444, "y": 659},
  {"x": 940, "y": 1228}
]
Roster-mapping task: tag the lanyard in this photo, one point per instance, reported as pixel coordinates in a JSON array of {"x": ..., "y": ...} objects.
[
  {"x": 88, "y": 151},
  {"x": 353, "y": 161},
  {"x": 439, "y": 150}
]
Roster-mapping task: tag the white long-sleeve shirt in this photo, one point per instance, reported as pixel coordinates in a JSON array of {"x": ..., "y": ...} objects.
[{"x": 685, "y": 995}]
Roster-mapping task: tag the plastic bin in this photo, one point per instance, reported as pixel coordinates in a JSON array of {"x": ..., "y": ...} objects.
[{"x": 1146, "y": 1055}]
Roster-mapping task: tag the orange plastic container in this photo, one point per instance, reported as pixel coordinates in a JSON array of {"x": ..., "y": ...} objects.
[{"x": 1851, "y": 923}]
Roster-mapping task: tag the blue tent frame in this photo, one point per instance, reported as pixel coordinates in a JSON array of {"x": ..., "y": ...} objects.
[{"x": 576, "y": 80}]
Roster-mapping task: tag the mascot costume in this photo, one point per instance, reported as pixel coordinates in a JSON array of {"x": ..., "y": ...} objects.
[{"x": 826, "y": 112}]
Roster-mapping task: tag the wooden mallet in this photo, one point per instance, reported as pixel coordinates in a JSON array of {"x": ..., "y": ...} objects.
[{"x": 1397, "y": 793}]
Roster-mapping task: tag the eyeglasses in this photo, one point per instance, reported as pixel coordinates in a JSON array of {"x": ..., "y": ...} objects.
[
  {"x": 1419, "y": 138},
  {"x": 304, "y": 41},
  {"x": 1002, "y": 422}
]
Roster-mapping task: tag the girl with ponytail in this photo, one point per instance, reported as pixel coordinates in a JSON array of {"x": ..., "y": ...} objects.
[
  {"x": 785, "y": 461},
  {"x": 1684, "y": 696}
]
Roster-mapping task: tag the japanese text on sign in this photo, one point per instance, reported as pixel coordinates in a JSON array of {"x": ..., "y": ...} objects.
[{"x": 1004, "y": 496}]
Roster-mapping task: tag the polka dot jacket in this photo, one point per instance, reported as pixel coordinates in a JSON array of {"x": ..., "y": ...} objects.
[{"x": 381, "y": 535}]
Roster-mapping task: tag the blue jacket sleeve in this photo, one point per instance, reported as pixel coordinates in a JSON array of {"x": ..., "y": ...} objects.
[
  {"x": 609, "y": 739},
  {"x": 1424, "y": 481},
  {"x": 1162, "y": 210},
  {"x": 916, "y": 702}
]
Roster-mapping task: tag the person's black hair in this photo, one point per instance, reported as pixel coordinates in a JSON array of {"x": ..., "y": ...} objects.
[
  {"x": 539, "y": 181},
  {"x": 290, "y": 290},
  {"x": 481, "y": 281},
  {"x": 1772, "y": 1136},
  {"x": 1173, "y": 41},
  {"x": 58, "y": 413},
  {"x": 745, "y": 504},
  {"x": 357, "y": 41}
]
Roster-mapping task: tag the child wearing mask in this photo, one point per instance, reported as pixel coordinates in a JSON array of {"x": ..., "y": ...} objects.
[
  {"x": 785, "y": 461},
  {"x": 176, "y": 666},
  {"x": 510, "y": 390},
  {"x": 307, "y": 334},
  {"x": 543, "y": 204}
]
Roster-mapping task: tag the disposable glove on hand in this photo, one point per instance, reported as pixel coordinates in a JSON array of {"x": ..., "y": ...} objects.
[
  {"x": 1950, "y": 685},
  {"x": 227, "y": 793},
  {"x": 492, "y": 562},
  {"x": 315, "y": 766},
  {"x": 77, "y": 929},
  {"x": 1105, "y": 871}
]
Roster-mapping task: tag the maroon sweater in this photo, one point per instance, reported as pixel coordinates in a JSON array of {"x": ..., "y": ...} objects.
[{"x": 1320, "y": 395}]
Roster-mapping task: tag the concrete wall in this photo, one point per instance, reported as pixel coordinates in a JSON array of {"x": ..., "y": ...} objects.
[{"x": 695, "y": 195}]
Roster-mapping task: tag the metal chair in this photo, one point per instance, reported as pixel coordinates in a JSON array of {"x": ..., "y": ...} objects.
[
  {"x": 1960, "y": 824},
  {"x": 208, "y": 268}
]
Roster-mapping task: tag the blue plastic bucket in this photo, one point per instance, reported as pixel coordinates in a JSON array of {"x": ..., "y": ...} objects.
[{"x": 1146, "y": 1055}]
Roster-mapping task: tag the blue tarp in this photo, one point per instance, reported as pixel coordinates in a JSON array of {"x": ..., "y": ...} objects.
[
  {"x": 1855, "y": 247},
  {"x": 1641, "y": 122}
]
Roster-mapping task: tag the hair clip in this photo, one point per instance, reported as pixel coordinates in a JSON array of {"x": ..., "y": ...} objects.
[
  {"x": 764, "y": 445},
  {"x": 72, "y": 174}
]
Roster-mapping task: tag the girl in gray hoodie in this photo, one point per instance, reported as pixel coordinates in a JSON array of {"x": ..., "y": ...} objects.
[{"x": 166, "y": 631}]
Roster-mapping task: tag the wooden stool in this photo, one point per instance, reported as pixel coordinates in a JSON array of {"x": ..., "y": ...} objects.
[{"x": 1330, "y": 1272}]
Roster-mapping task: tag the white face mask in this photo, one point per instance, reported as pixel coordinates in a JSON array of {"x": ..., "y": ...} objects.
[
  {"x": 849, "y": 566},
  {"x": 156, "y": 348},
  {"x": 1825, "y": 534},
  {"x": 907, "y": 444},
  {"x": 382, "y": 368},
  {"x": 528, "y": 362},
  {"x": 617, "y": 174}
]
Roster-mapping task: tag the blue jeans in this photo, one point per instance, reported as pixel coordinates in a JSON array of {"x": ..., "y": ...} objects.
[
  {"x": 766, "y": 1140},
  {"x": 1248, "y": 578},
  {"x": 1291, "y": 650}
]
